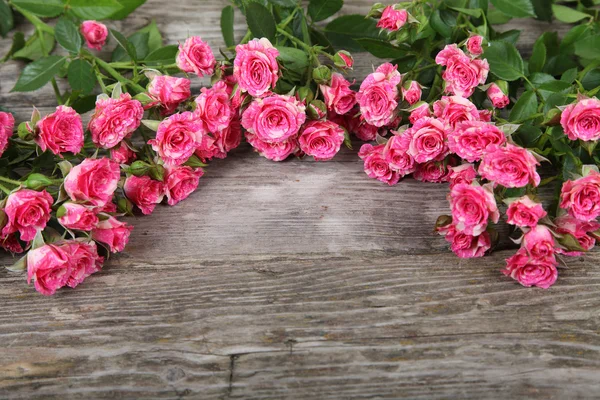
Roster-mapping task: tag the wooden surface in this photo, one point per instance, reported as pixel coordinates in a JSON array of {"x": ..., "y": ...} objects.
[{"x": 295, "y": 280}]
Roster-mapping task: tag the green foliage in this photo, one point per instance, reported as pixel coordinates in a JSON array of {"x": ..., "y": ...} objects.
[
  {"x": 260, "y": 21},
  {"x": 81, "y": 76},
  {"x": 67, "y": 35},
  {"x": 323, "y": 9},
  {"x": 6, "y": 18},
  {"x": 505, "y": 61},
  {"x": 227, "y": 26},
  {"x": 38, "y": 73}
]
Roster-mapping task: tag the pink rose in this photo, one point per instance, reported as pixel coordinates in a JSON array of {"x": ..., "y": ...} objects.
[
  {"x": 498, "y": 98},
  {"x": 93, "y": 181},
  {"x": 376, "y": 166},
  {"x": 411, "y": 92},
  {"x": 196, "y": 56},
  {"x": 115, "y": 120},
  {"x": 169, "y": 92},
  {"x": 581, "y": 197},
  {"x": 94, "y": 33},
  {"x": 236, "y": 96},
  {"x": 539, "y": 242},
  {"x": 432, "y": 171},
  {"x": 60, "y": 131},
  {"x": 419, "y": 112},
  {"x": 585, "y": 233},
  {"x": 472, "y": 206},
  {"x": 214, "y": 108},
  {"x": 485, "y": 115},
  {"x": 113, "y": 233},
  {"x": 274, "y": 119},
  {"x": 276, "y": 151},
  {"x": 321, "y": 139},
  {"x": 338, "y": 95},
  {"x": 180, "y": 182},
  {"x": 144, "y": 192},
  {"x": 530, "y": 271},
  {"x": 397, "y": 156},
  {"x": 462, "y": 74},
  {"x": 228, "y": 138},
  {"x": 108, "y": 208},
  {"x": 11, "y": 244},
  {"x": 581, "y": 120},
  {"x": 427, "y": 140},
  {"x": 83, "y": 260},
  {"x": 392, "y": 19},
  {"x": 359, "y": 127},
  {"x": 28, "y": 211},
  {"x": 474, "y": 45},
  {"x": 7, "y": 123},
  {"x": 122, "y": 154},
  {"x": 76, "y": 216},
  {"x": 465, "y": 245},
  {"x": 464, "y": 173},
  {"x": 454, "y": 110},
  {"x": 255, "y": 66},
  {"x": 510, "y": 166},
  {"x": 178, "y": 136},
  {"x": 470, "y": 139},
  {"x": 49, "y": 267},
  {"x": 525, "y": 212},
  {"x": 378, "y": 95}
]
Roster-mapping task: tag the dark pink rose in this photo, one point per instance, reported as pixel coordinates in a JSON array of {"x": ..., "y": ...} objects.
[
  {"x": 510, "y": 166},
  {"x": 581, "y": 120},
  {"x": 586, "y": 233},
  {"x": 214, "y": 108},
  {"x": 321, "y": 139},
  {"x": 77, "y": 217},
  {"x": 464, "y": 173},
  {"x": 144, "y": 192},
  {"x": 530, "y": 271},
  {"x": 392, "y": 19},
  {"x": 338, "y": 95},
  {"x": 465, "y": 245},
  {"x": 122, "y": 154},
  {"x": 113, "y": 233},
  {"x": 581, "y": 197},
  {"x": 28, "y": 211},
  {"x": 432, "y": 171},
  {"x": 196, "y": 56},
  {"x": 525, "y": 212},
  {"x": 11, "y": 244},
  {"x": 376, "y": 166},
  {"x": 49, "y": 267},
  {"x": 169, "y": 92},
  {"x": 60, "y": 132},
  {"x": 255, "y": 66},
  {"x": 83, "y": 260},
  {"x": 94, "y": 33},
  {"x": 472, "y": 207},
  {"x": 7, "y": 123},
  {"x": 275, "y": 118},
  {"x": 115, "y": 120},
  {"x": 180, "y": 182},
  {"x": 470, "y": 139},
  {"x": 93, "y": 181}
]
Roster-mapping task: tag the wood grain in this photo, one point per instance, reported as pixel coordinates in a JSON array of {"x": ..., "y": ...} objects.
[{"x": 295, "y": 280}]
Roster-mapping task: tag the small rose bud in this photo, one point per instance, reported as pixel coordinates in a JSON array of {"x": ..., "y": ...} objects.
[
  {"x": 37, "y": 181},
  {"x": 443, "y": 220},
  {"x": 342, "y": 59},
  {"x": 474, "y": 45},
  {"x": 157, "y": 172},
  {"x": 411, "y": 92},
  {"x": 139, "y": 168},
  {"x": 316, "y": 109},
  {"x": 376, "y": 11},
  {"x": 498, "y": 96},
  {"x": 552, "y": 117},
  {"x": 143, "y": 98},
  {"x": 322, "y": 75},
  {"x": 62, "y": 210},
  {"x": 3, "y": 219},
  {"x": 305, "y": 94},
  {"x": 195, "y": 162},
  {"x": 24, "y": 131},
  {"x": 125, "y": 206}
]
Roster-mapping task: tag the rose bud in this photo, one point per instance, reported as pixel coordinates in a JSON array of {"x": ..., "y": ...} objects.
[
  {"x": 139, "y": 168},
  {"x": 474, "y": 45},
  {"x": 115, "y": 120},
  {"x": 196, "y": 56},
  {"x": 581, "y": 120},
  {"x": 37, "y": 181},
  {"x": 419, "y": 111},
  {"x": 113, "y": 233},
  {"x": 180, "y": 182},
  {"x": 338, "y": 95},
  {"x": 169, "y": 92},
  {"x": 411, "y": 92},
  {"x": 60, "y": 132},
  {"x": 497, "y": 95},
  {"x": 7, "y": 123},
  {"x": 305, "y": 94},
  {"x": 28, "y": 212},
  {"x": 255, "y": 66},
  {"x": 392, "y": 19},
  {"x": 122, "y": 154},
  {"x": 316, "y": 109},
  {"x": 343, "y": 60},
  {"x": 321, "y": 139},
  {"x": 376, "y": 10},
  {"x": 94, "y": 33},
  {"x": 76, "y": 216},
  {"x": 322, "y": 75},
  {"x": 49, "y": 268},
  {"x": 144, "y": 192}
]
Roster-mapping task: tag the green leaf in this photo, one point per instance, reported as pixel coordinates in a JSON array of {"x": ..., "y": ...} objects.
[
  {"x": 538, "y": 57},
  {"x": 343, "y": 30},
  {"x": 440, "y": 25},
  {"x": 543, "y": 9},
  {"x": 528, "y": 135},
  {"x": 96, "y": 9},
  {"x": 525, "y": 106},
  {"x": 475, "y": 12},
  {"x": 568, "y": 14},
  {"x": 138, "y": 43},
  {"x": 515, "y": 8},
  {"x": 81, "y": 76},
  {"x": 570, "y": 75},
  {"x": 67, "y": 35},
  {"x": 33, "y": 47},
  {"x": 505, "y": 61},
  {"x": 294, "y": 60},
  {"x": 591, "y": 79},
  {"x": 284, "y": 3},
  {"x": 127, "y": 7},
  {"x": 260, "y": 21},
  {"x": 300, "y": 28},
  {"x": 155, "y": 40},
  {"x": 41, "y": 8},
  {"x": 589, "y": 48},
  {"x": 381, "y": 48},
  {"x": 163, "y": 56},
  {"x": 575, "y": 35},
  {"x": 18, "y": 42},
  {"x": 497, "y": 17},
  {"x": 6, "y": 18},
  {"x": 227, "y": 26},
  {"x": 323, "y": 9},
  {"x": 38, "y": 73},
  {"x": 84, "y": 104},
  {"x": 511, "y": 36},
  {"x": 123, "y": 44}
]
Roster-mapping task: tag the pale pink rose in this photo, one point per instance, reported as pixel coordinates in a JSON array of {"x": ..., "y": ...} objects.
[
  {"x": 180, "y": 182},
  {"x": 214, "y": 108},
  {"x": 474, "y": 45},
  {"x": 419, "y": 112},
  {"x": 49, "y": 268},
  {"x": 255, "y": 66},
  {"x": 411, "y": 92},
  {"x": 113, "y": 233},
  {"x": 93, "y": 181},
  {"x": 530, "y": 271},
  {"x": 338, "y": 95},
  {"x": 464, "y": 173},
  {"x": 376, "y": 166},
  {"x": 94, "y": 33},
  {"x": 115, "y": 120},
  {"x": 178, "y": 136},
  {"x": 581, "y": 120},
  {"x": 7, "y": 123},
  {"x": 274, "y": 119},
  {"x": 510, "y": 166},
  {"x": 432, "y": 171},
  {"x": 321, "y": 139},
  {"x": 78, "y": 217},
  {"x": 581, "y": 197},
  {"x": 585, "y": 233},
  {"x": 169, "y": 92},
  {"x": 83, "y": 260},
  {"x": 397, "y": 156},
  {"x": 427, "y": 140},
  {"x": 462, "y": 73},
  {"x": 196, "y": 56},
  {"x": 472, "y": 206},
  {"x": 470, "y": 139},
  {"x": 539, "y": 242},
  {"x": 465, "y": 245},
  {"x": 525, "y": 212},
  {"x": 378, "y": 95},
  {"x": 11, "y": 244},
  {"x": 275, "y": 151},
  {"x": 122, "y": 154},
  {"x": 144, "y": 192},
  {"x": 454, "y": 110},
  {"x": 498, "y": 98},
  {"x": 60, "y": 132},
  {"x": 28, "y": 211},
  {"x": 392, "y": 19}
]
